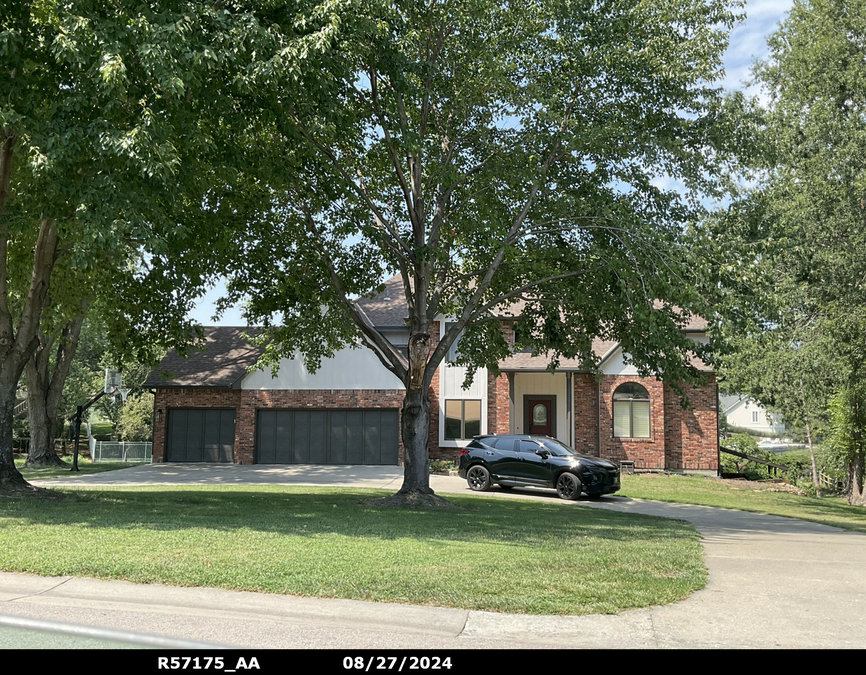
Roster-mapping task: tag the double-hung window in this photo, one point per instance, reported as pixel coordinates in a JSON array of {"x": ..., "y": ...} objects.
[{"x": 631, "y": 411}]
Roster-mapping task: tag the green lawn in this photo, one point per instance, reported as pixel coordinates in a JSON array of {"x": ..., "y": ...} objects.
[
  {"x": 101, "y": 428},
  {"x": 499, "y": 555},
  {"x": 85, "y": 466},
  {"x": 748, "y": 496}
]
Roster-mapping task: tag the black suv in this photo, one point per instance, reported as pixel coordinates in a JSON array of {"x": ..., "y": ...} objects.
[{"x": 512, "y": 460}]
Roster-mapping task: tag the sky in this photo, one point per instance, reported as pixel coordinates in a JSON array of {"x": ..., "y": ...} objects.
[{"x": 748, "y": 42}]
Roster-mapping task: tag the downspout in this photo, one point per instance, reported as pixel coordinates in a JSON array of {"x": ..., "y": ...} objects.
[
  {"x": 510, "y": 403},
  {"x": 598, "y": 418}
]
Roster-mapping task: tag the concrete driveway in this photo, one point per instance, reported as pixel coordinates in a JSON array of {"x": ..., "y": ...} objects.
[{"x": 773, "y": 582}]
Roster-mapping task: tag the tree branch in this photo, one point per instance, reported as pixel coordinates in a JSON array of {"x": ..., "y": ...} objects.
[
  {"x": 392, "y": 151},
  {"x": 44, "y": 257},
  {"x": 390, "y": 357},
  {"x": 359, "y": 190},
  {"x": 8, "y": 140}
]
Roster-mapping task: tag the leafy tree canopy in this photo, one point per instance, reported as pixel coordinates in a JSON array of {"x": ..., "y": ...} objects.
[
  {"x": 501, "y": 157},
  {"x": 124, "y": 137},
  {"x": 791, "y": 269}
]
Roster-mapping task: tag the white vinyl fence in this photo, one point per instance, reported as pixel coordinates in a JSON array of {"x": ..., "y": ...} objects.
[{"x": 119, "y": 451}]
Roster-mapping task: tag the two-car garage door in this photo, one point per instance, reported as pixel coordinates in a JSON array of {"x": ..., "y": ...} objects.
[
  {"x": 333, "y": 436},
  {"x": 329, "y": 436}
]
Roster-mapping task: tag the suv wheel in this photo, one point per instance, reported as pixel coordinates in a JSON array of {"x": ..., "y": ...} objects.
[
  {"x": 478, "y": 478},
  {"x": 568, "y": 486}
]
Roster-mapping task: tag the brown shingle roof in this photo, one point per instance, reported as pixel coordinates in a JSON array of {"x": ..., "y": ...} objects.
[
  {"x": 387, "y": 308},
  {"x": 526, "y": 361},
  {"x": 222, "y": 363}
]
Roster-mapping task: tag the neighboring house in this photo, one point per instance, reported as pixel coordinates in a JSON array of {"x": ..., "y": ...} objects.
[
  {"x": 747, "y": 413},
  {"x": 210, "y": 407}
]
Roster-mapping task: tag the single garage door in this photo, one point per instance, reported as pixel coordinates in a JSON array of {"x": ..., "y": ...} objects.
[
  {"x": 200, "y": 435},
  {"x": 327, "y": 436}
]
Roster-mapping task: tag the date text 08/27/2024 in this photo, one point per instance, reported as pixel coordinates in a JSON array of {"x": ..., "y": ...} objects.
[{"x": 350, "y": 663}]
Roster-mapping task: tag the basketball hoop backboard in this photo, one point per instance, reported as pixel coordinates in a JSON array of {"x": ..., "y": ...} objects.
[{"x": 113, "y": 380}]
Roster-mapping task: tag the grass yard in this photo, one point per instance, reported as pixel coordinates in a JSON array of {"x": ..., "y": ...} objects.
[
  {"x": 745, "y": 495},
  {"x": 498, "y": 555},
  {"x": 101, "y": 428},
  {"x": 85, "y": 466}
]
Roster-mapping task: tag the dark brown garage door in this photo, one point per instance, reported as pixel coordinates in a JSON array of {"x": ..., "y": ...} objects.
[
  {"x": 326, "y": 437},
  {"x": 200, "y": 435}
]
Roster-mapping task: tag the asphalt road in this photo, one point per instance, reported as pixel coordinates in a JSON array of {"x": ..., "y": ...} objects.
[{"x": 774, "y": 582}]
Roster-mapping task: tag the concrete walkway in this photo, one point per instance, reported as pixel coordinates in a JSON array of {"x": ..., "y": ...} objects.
[{"x": 773, "y": 582}]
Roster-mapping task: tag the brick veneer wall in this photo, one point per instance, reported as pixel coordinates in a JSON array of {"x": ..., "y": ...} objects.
[
  {"x": 646, "y": 453},
  {"x": 498, "y": 421},
  {"x": 585, "y": 404},
  {"x": 680, "y": 438},
  {"x": 247, "y": 401},
  {"x": 498, "y": 408},
  {"x": 691, "y": 433}
]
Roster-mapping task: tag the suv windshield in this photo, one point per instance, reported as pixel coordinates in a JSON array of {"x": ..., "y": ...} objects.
[{"x": 556, "y": 448}]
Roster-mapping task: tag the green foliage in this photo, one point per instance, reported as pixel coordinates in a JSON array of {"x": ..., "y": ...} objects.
[
  {"x": 440, "y": 465},
  {"x": 742, "y": 443},
  {"x": 86, "y": 375},
  {"x": 492, "y": 153},
  {"x": 845, "y": 443},
  {"x": 788, "y": 257},
  {"x": 747, "y": 444},
  {"x": 125, "y": 143},
  {"x": 136, "y": 418}
]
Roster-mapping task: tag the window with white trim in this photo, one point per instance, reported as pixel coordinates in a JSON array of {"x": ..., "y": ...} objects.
[
  {"x": 462, "y": 419},
  {"x": 631, "y": 411},
  {"x": 453, "y": 350}
]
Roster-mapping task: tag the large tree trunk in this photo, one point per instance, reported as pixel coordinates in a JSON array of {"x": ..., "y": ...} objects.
[
  {"x": 415, "y": 432},
  {"x": 856, "y": 494},
  {"x": 11, "y": 479},
  {"x": 18, "y": 342},
  {"x": 41, "y": 452},
  {"x": 44, "y": 389},
  {"x": 857, "y": 457}
]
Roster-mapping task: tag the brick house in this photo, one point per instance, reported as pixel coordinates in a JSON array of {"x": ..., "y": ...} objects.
[{"x": 211, "y": 407}]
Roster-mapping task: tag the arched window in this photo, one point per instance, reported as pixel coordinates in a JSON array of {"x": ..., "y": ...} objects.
[{"x": 631, "y": 411}]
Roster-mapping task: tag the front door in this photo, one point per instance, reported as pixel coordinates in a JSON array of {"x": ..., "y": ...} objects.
[{"x": 539, "y": 412}]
